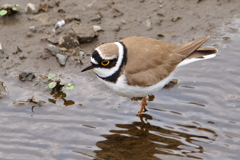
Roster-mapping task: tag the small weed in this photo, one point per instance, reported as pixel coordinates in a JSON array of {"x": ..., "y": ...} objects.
[{"x": 9, "y": 9}]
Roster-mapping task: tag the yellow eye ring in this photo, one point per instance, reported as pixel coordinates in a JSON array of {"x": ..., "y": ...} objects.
[{"x": 105, "y": 62}]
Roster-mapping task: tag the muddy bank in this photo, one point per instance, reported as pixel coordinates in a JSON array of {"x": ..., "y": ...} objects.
[{"x": 26, "y": 37}]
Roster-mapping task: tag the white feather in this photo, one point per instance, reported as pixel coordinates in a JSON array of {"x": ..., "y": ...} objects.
[
  {"x": 123, "y": 89},
  {"x": 187, "y": 61}
]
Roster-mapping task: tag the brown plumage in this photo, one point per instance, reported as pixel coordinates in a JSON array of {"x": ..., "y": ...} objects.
[{"x": 154, "y": 60}]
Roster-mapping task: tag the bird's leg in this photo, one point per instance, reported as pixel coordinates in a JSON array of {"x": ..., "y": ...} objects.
[{"x": 144, "y": 104}]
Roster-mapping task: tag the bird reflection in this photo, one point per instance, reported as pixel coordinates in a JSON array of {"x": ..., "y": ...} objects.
[{"x": 141, "y": 140}]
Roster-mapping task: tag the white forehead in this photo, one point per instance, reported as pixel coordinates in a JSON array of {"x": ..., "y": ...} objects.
[{"x": 93, "y": 61}]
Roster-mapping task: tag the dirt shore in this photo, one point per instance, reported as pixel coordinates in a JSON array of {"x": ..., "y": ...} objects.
[{"x": 172, "y": 21}]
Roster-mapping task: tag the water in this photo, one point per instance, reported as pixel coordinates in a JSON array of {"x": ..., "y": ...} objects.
[{"x": 196, "y": 119}]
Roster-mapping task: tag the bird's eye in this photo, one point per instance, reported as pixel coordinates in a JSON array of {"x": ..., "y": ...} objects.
[{"x": 105, "y": 62}]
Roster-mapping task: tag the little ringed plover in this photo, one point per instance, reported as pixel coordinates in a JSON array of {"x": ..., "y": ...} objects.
[{"x": 139, "y": 66}]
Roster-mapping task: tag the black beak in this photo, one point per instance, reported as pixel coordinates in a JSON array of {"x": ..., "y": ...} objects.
[{"x": 88, "y": 68}]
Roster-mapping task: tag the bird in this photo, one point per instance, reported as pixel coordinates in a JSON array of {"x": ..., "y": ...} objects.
[{"x": 139, "y": 66}]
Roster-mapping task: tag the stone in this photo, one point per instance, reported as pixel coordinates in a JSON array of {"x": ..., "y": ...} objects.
[
  {"x": 3, "y": 89},
  {"x": 62, "y": 59},
  {"x": 26, "y": 76},
  {"x": 1, "y": 48},
  {"x": 85, "y": 34},
  {"x": 30, "y": 9},
  {"x": 97, "y": 28},
  {"x": 52, "y": 40},
  {"x": 53, "y": 50},
  {"x": 68, "y": 42},
  {"x": 29, "y": 34},
  {"x": 96, "y": 17},
  {"x": 59, "y": 24},
  {"x": 33, "y": 29}
]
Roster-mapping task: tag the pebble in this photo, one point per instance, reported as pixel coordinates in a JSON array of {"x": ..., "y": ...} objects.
[
  {"x": 97, "y": 28},
  {"x": 62, "y": 59},
  {"x": 26, "y": 76},
  {"x": 53, "y": 49},
  {"x": 1, "y": 48},
  {"x": 176, "y": 18},
  {"x": 149, "y": 24},
  {"x": 29, "y": 34},
  {"x": 71, "y": 18},
  {"x": 68, "y": 42},
  {"x": 85, "y": 34},
  {"x": 96, "y": 17},
  {"x": 30, "y": 9},
  {"x": 33, "y": 29},
  {"x": 59, "y": 24},
  {"x": 3, "y": 89},
  {"x": 52, "y": 40},
  {"x": 81, "y": 53},
  {"x": 161, "y": 12}
]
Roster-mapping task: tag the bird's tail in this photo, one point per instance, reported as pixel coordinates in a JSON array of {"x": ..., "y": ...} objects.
[{"x": 201, "y": 53}]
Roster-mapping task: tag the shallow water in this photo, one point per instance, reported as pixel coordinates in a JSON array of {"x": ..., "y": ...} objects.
[{"x": 196, "y": 119}]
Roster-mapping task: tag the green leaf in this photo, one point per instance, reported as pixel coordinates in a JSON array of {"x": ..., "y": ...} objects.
[
  {"x": 14, "y": 9},
  {"x": 52, "y": 85},
  {"x": 51, "y": 76},
  {"x": 3, "y": 12},
  {"x": 69, "y": 86}
]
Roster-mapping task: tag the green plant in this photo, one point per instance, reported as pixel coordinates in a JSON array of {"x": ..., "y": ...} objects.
[
  {"x": 58, "y": 82},
  {"x": 9, "y": 9}
]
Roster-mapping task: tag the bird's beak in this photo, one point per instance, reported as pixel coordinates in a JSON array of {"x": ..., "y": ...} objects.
[{"x": 88, "y": 68}]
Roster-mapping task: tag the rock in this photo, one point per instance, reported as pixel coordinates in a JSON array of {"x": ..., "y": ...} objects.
[
  {"x": 84, "y": 34},
  {"x": 62, "y": 59},
  {"x": 33, "y": 29},
  {"x": 1, "y": 48},
  {"x": 96, "y": 17},
  {"x": 52, "y": 40},
  {"x": 29, "y": 34},
  {"x": 26, "y": 76},
  {"x": 53, "y": 49},
  {"x": 148, "y": 24},
  {"x": 43, "y": 7},
  {"x": 81, "y": 53},
  {"x": 3, "y": 89},
  {"x": 59, "y": 24},
  {"x": 161, "y": 12},
  {"x": 30, "y": 9},
  {"x": 176, "y": 18},
  {"x": 68, "y": 42},
  {"x": 97, "y": 28},
  {"x": 71, "y": 18},
  {"x": 160, "y": 35},
  {"x": 116, "y": 13}
]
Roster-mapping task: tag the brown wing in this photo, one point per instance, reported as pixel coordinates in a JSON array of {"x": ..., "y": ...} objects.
[{"x": 150, "y": 60}]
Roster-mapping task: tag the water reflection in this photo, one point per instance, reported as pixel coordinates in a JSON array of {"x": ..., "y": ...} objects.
[
  {"x": 141, "y": 140},
  {"x": 57, "y": 93}
]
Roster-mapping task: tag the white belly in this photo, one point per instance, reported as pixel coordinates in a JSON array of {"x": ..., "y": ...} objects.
[{"x": 121, "y": 88}]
